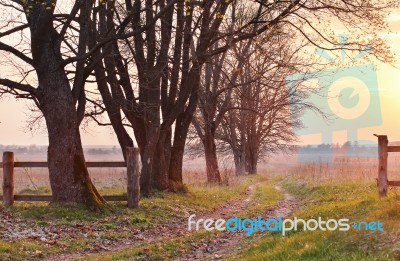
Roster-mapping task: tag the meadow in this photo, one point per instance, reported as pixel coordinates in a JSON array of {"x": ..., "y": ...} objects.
[{"x": 345, "y": 187}]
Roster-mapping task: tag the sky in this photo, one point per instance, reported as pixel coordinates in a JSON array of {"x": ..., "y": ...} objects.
[
  {"x": 388, "y": 110},
  {"x": 14, "y": 113}
]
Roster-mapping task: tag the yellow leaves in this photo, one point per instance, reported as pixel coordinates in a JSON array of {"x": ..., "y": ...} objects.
[
  {"x": 48, "y": 5},
  {"x": 220, "y": 15},
  {"x": 240, "y": 71},
  {"x": 38, "y": 253},
  {"x": 188, "y": 8}
]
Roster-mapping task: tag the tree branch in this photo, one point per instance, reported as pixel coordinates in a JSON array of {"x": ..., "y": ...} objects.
[
  {"x": 19, "y": 54},
  {"x": 18, "y": 86}
]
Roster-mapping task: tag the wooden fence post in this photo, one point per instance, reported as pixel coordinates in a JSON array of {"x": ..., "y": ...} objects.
[
  {"x": 382, "y": 171},
  {"x": 133, "y": 172},
  {"x": 8, "y": 178}
]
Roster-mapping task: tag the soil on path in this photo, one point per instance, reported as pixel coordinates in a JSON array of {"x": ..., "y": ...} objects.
[{"x": 227, "y": 243}]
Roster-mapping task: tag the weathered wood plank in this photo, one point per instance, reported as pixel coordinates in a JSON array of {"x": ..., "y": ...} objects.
[
  {"x": 394, "y": 183},
  {"x": 33, "y": 197},
  {"x": 49, "y": 197},
  {"x": 106, "y": 164},
  {"x": 33, "y": 164},
  {"x": 393, "y": 148},
  {"x": 133, "y": 173},
  {"x": 8, "y": 178},
  {"x": 382, "y": 170},
  {"x": 115, "y": 198}
]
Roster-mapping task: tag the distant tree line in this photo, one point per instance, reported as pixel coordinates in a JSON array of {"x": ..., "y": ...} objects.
[
  {"x": 347, "y": 148},
  {"x": 24, "y": 149},
  {"x": 38, "y": 149}
]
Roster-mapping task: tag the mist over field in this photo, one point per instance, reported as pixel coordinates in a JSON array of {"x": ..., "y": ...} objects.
[{"x": 319, "y": 162}]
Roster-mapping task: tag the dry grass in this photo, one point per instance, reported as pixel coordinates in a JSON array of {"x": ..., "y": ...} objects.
[
  {"x": 341, "y": 168},
  {"x": 107, "y": 180}
]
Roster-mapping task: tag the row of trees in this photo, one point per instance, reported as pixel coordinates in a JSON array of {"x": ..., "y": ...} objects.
[
  {"x": 158, "y": 66},
  {"x": 246, "y": 107}
]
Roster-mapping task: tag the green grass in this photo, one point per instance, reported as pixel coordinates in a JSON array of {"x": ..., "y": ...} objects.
[
  {"x": 116, "y": 221},
  {"x": 265, "y": 196},
  {"x": 41, "y": 190},
  {"x": 159, "y": 250},
  {"x": 21, "y": 250},
  {"x": 345, "y": 199},
  {"x": 161, "y": 206},
  {"x": 354, "y": 201},
  {"x": 47, "y": 213}
]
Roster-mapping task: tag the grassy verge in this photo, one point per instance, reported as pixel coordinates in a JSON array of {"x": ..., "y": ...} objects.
[
  {"x": 159, "y": 250},
  {"x": 355, "y": 201},
  {"x": 265, "y": 196},
  {"x": 84, "y": 229}
]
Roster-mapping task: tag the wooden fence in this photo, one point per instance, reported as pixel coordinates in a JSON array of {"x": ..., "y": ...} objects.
[
  {"x": 383, "y": 150},
  {"x": 131, "y": 165}
]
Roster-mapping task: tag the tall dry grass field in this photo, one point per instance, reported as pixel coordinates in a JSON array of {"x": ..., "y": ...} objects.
[
  {"x": 110, "y": 180},
  {"x": 341, "y": 168},
  {"x": 36, "y": 180}
]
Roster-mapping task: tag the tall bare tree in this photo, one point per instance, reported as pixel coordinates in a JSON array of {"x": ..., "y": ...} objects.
[
  {"x": 61, "y": 103},
  {"x": 165, "y": 62},
  {"x": 258, "y": 117},
  {"x": 57, "y": 42},
  {"x": 166, "y": 59},
  {"x": 265, "y": 111},
  {"x": 244, "y": 101}
]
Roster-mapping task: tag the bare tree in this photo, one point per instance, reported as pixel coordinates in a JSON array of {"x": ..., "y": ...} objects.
[
  {"x": 168, "y": 56},
  {"x": 167, "y": 59},
  {"x": 57, "y": 43},
  {"x": 262, "y": 119},
  {"x": 244, "y": 103},
  {"x": 61, "y": 103},
  {"x": 151, "y": 82}
]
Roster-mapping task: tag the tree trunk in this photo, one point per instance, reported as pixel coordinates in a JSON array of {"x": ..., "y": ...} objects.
[
  {"x": 181, "y": 130},
  {"x": 113, "y": 111},
  {"x": 148, "y": 158},
  {"x": 213, "y": 174},
  {"x": 252, "y": 161},
  {"x": 178, "y": 148},
  {"x": 240, "y": 162},
  {"x": 69, "y": 178},
  {"x": 161, "y": 165},
  {"x": 151, "y": 100}
]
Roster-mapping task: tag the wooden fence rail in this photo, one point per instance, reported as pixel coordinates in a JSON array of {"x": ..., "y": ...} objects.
[
  {"x": 133, "y": 175},
  {"x": 383, "y": 150}
]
